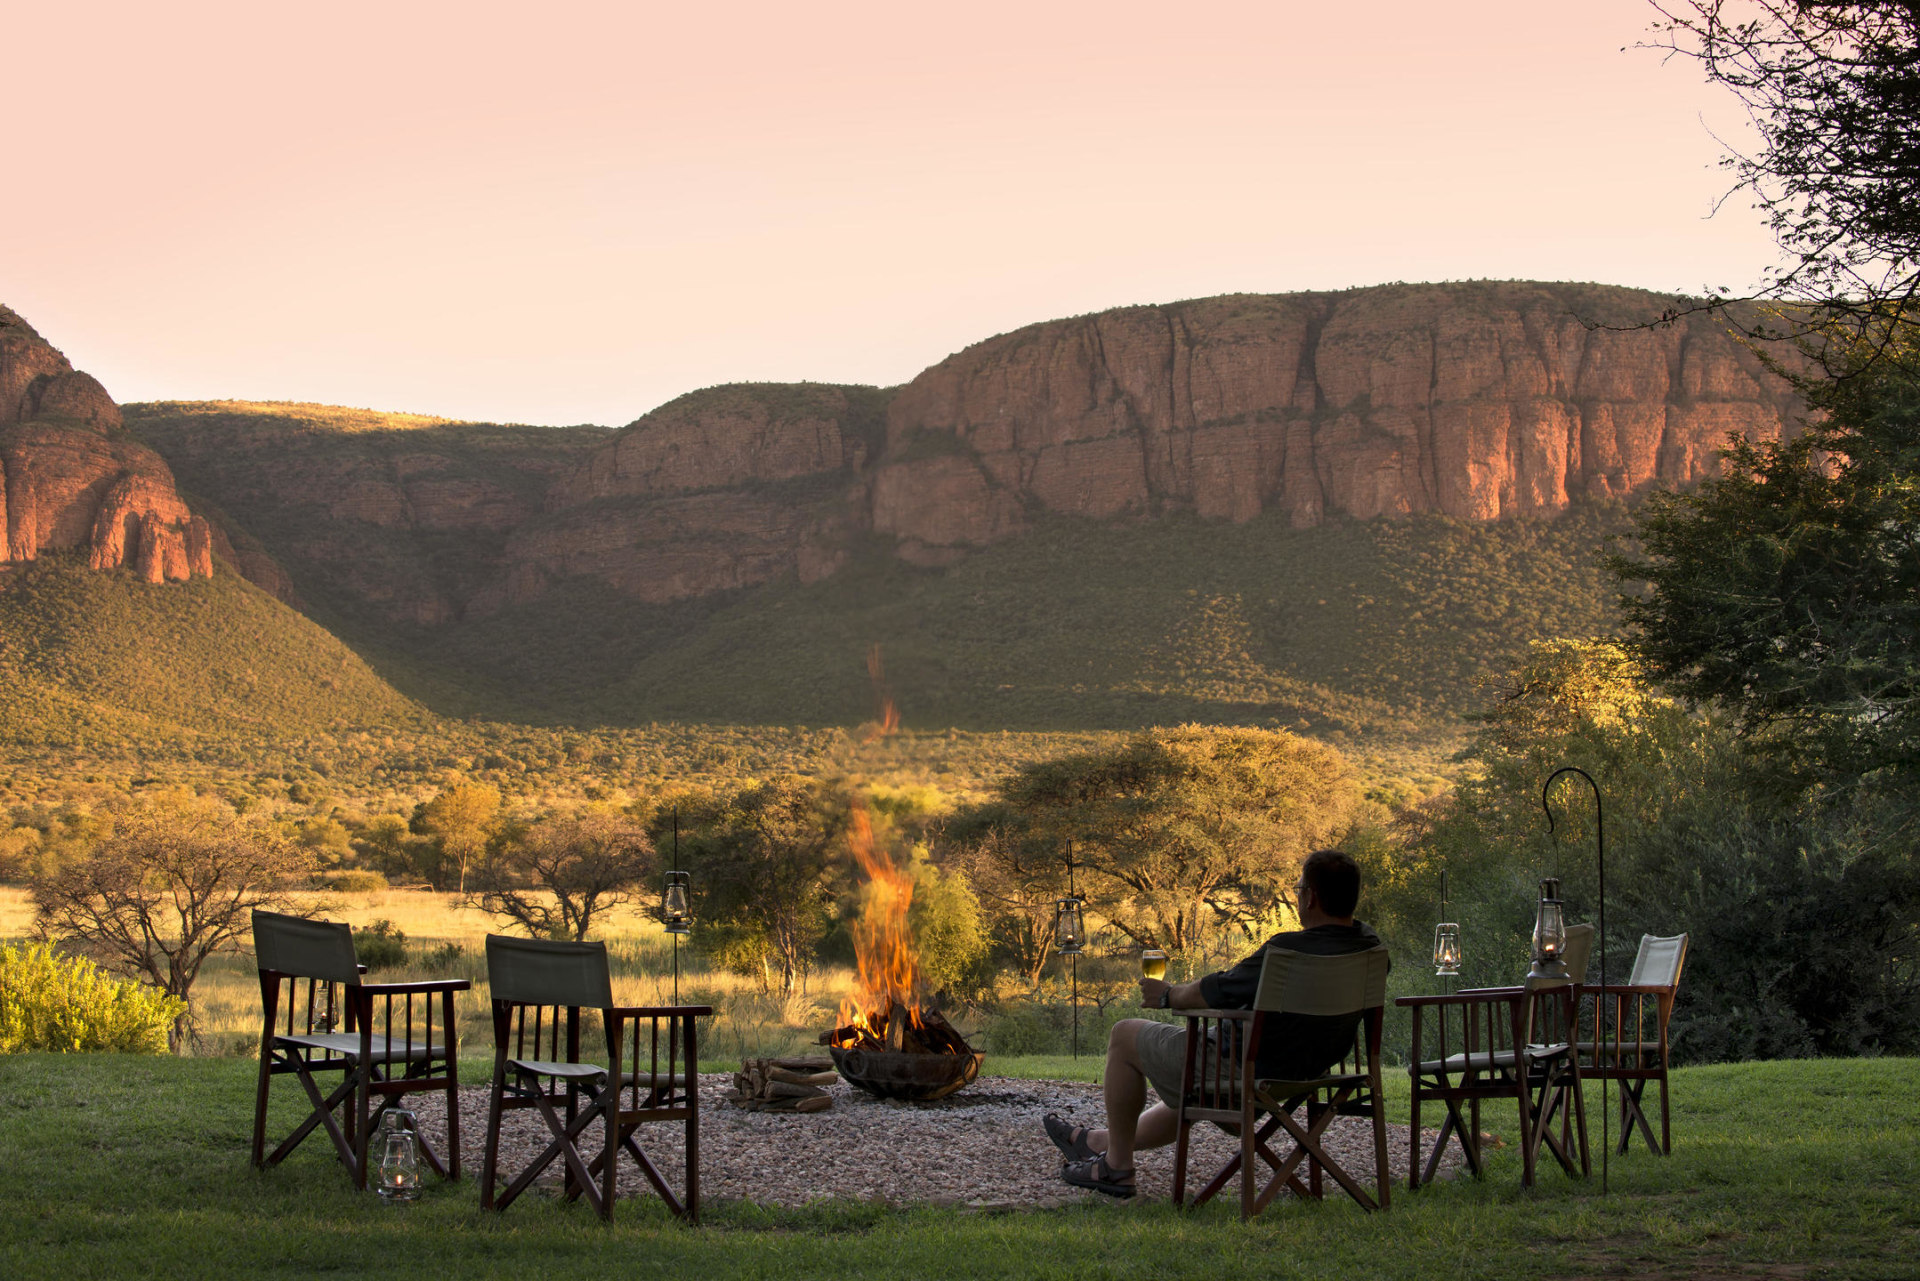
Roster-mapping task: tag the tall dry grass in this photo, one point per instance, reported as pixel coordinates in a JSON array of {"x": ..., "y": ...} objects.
[{"x": 446, "y": 939}]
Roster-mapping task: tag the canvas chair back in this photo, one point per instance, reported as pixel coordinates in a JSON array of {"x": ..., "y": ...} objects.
[
  {"x": 1658, "y": 962},
  {"x": 1299, "y": 983},
  {"x": 542, "y": 972},
  {"x": 295, "y": 946}
]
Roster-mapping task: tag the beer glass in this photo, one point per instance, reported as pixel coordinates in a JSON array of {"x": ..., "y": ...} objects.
[{"x": 1153, "y": 963}]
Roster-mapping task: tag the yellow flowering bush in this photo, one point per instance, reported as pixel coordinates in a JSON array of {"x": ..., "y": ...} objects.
[{"x": 69, "y": 1004}]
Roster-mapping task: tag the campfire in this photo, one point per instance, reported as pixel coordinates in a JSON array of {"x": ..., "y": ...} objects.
[{"x": 888, "y": 1042}]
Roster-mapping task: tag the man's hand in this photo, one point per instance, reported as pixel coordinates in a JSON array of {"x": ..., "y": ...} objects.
[{"x": 1152, "y": 992}]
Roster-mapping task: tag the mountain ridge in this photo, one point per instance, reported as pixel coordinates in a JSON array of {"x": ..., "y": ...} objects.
[{"x": 1477, "y": 401}]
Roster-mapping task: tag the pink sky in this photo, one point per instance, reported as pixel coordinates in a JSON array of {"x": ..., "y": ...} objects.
[{"x": 574, "y": 212}]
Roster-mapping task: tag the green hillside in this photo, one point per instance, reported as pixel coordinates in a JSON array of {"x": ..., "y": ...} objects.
[
  {"x": 104, "y": 661},
  {"x": 1377, "y": 632}
]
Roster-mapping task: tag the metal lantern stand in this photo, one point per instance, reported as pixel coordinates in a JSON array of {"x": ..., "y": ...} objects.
[
  {"x": 1069, "y": 937},
  {"x": 676, "y": 905},
  {"x": 1600, "y": 844}
]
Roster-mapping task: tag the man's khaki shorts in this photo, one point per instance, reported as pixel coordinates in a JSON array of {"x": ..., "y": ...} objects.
[{"x": 1162, "y": 1048}]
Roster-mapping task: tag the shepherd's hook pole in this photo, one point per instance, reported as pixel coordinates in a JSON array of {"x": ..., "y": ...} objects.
[
  {"x": 676, "y": 937},
  {"x": 1600, "y": 844}
]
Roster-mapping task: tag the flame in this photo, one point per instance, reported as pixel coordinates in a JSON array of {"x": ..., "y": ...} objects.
[
  {"x": 886, "y": 713},
  {"x": 889, "y": 962}
]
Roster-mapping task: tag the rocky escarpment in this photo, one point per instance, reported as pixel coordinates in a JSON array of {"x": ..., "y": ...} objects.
[
  {"x": 722, "y": 488},
  {"x": 1477, "y": 401},
  {"x": 71, "y": 479}
]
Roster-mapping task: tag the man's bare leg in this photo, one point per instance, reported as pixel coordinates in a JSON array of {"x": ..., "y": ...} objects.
[{"x": 1128, "y": 1126}]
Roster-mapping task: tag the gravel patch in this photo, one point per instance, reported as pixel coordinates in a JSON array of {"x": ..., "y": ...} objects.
[{"x": 983, "y": 1147}]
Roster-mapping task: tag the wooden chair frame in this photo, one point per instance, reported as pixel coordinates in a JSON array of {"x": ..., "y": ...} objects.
[
  {"x": 538, "y": 1064},
  {"x": 1503, "y": 1043},
  {"x": 1646, "y": 997},
  {"x": 344, "y": 1025},
  {"x": 1227, "y": 1090},
  {"x": 1497, "y": 1058}
]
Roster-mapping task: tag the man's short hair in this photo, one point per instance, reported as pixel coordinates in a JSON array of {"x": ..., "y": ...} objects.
[{"x": 1334, "y": 878}]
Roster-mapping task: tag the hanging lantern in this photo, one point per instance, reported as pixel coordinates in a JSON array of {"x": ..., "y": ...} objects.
[
  {"x": 396, "y": 1177},
  {"x": 676, "y": 904},
  {"x": 1549, "y": 933},
  {"x": 1446, "y": 938},
  {"x": 1069, "y": 930}
]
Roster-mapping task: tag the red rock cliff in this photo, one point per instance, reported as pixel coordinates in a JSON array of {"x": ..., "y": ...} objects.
[
  {"x": 1479, "y": 401},
  {"x": 69, "y": 479}
]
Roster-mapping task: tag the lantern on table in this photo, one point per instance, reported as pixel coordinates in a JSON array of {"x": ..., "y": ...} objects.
[{"x": 1549, "y": 933}]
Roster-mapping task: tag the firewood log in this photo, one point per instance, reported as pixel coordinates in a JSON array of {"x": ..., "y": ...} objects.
[
  {"x": 787, "y": 1090},
  {"x": 802, "y": 1078},
  {"x": 804, "y": 1063}
]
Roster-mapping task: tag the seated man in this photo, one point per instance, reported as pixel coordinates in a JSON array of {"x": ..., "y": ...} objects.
[{"x": 1141, "y": 1052}]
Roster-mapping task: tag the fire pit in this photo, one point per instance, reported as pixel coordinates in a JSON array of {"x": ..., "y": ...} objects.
[
  {"x": 926, "y": 1059},
  {"x": 889, "y": 1043}
]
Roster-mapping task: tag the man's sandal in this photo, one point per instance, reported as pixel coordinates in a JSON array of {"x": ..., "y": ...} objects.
[
  {"x": 1098, "y": 1176},
  {"x": 1070, "y": 1139}
]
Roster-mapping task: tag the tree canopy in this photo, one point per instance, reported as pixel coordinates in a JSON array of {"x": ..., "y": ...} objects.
[
  {"x": 564, "y": 871},
  {"x": 175, "y": 881},
  {"x": 1833, "y": 92},
  {"x": 1179, "y": 831},
  {"x": 1788, "y": 589}
]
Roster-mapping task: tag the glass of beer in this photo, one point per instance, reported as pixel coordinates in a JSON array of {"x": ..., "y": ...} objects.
[{"x": 1153, "y": 963}]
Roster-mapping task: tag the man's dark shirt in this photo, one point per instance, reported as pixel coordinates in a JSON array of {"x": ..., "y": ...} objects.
[{"x": 1294, "y": 1047}]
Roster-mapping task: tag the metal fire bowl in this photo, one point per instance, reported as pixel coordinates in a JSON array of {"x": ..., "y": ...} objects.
[{"x": 891, "y": 1074}]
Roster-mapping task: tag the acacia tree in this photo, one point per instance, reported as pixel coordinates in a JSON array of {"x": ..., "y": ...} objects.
[
  {"x": 553, "y": 879},
  {"x": 171, "y": 884},
  {"x": 763, "y": 858},
  {"x": 1180, "y": 831},
  {"x": 1015, "y": 881},
  {"x": 1833, "y": 92}
]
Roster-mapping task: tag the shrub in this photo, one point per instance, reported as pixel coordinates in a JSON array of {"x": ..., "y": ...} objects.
[
  {"x": 352, "y": 880},
  {"x": 381, "y": 946},
  {"x": 67, "y": 1004}
]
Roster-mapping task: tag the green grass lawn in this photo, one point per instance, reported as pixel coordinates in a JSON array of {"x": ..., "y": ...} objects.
[{"x": 136, "y": 1167}]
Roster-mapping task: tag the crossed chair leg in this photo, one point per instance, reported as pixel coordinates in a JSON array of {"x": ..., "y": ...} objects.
[
  {"x": 350, "y": 1141},
  {"x": 1307, "y": 1147},
  {"x": 592, "y": 1181}
]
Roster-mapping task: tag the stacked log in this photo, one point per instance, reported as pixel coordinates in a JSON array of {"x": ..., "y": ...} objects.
[{"x": 796, "y": 1084}]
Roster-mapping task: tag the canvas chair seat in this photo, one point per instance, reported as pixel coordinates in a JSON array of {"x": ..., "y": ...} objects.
[
  {"x": 566, "y": 1071},
  {"x": 593, "y": 1071},
  {"x": 385, "y": 1049},
  {"x": 1290, "y": 983},
  {"x": 1628, "y": 1050}
]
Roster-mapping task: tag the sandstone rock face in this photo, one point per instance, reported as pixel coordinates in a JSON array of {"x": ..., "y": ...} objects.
[
  {"x": 70, "y": 479},
  {"x": 731, "y": 436},
  {"x": 1475, "y": 401},
  {"x": 720, "y": 489}
]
